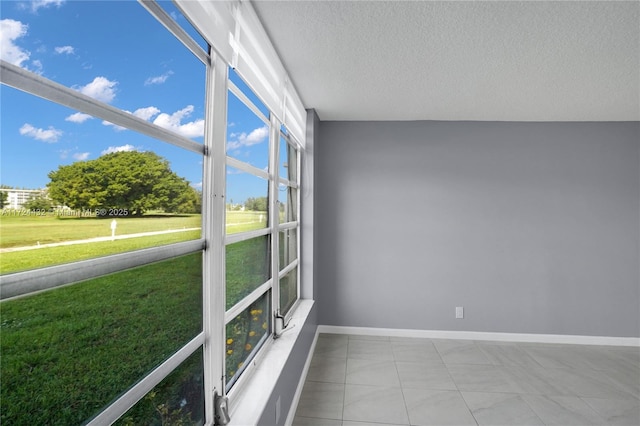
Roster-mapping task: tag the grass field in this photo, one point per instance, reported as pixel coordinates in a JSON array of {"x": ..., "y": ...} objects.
[
  {"x": 238, "y": 221},
  {"x": 16, "y": 231},
  {"x": 69, "y": 352},
  {"x": 65, "y": 354}
]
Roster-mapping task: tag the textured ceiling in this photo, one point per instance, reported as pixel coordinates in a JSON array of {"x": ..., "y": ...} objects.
[{"x": 496, "y": 61}]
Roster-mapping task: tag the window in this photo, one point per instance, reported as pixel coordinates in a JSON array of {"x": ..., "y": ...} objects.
[
  {"x": 288, "y": 202},
  {"x": 136, "y": 223},
  {"x": 249, "y": 228},
  {"x": 105, "y": 178}
]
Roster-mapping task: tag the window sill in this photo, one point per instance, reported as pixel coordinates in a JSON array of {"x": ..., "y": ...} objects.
[{"x": 247, "y": 407}]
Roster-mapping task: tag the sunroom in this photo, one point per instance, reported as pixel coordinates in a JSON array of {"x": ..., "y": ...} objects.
[{"x": 320, "y": 213}]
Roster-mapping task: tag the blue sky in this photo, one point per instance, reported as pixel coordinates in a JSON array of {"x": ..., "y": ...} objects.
[{"x": 114, "y": 51}]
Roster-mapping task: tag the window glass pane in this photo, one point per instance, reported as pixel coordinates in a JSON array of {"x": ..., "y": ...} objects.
[
  {"x": 247, "y": 201},
  {"x": 287, "y": 203},
  {"x": 288, "y": 161},
  {"x": 67, "y": 352},
  {"x": 288, "y": 247},
  {"x": 177, "y": 400},
  {"x": 144, "y": 70},
  {"x": 248, "y": 265},
  {"x": 177, "y": 16},
  {"x": 293, "y": 163},
  {"x": 244, "y": 336},
  {"x": 79, "y": 178},
  {"x": 247, "y": 135},
  {"x": 288, "y": 290},
  {"x": 235, "y": 78}
]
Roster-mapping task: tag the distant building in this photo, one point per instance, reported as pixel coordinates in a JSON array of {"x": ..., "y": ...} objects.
[{"x": 16, "y": 198}]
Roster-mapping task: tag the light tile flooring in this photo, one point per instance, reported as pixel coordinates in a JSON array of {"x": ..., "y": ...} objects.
[{"x": 363, "y": 380}]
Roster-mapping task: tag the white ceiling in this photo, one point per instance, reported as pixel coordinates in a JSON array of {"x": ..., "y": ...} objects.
[{"x": 488, "y": 61}]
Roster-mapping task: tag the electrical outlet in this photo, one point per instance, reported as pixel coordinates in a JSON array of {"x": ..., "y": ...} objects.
[{"x": 459, "y": 312}]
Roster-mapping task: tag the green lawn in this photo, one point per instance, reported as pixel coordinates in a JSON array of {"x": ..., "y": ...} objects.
[
  {"x": 18, "y": 231},
  {"x": 241, "y": 221},
  {"x": 29, "y": 230},
  {"x": 38, "y": 258},
  {"x": 66, "y": 354}
]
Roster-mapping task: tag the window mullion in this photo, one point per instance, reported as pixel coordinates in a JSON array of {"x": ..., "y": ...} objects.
[
  {"x": 213, "y": 226},
  {"x": 298, "y": 209},
  {"x": 274, "y": 211}
]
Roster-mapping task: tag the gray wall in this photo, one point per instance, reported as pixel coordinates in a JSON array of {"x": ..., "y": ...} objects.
[{"x": 532, "y": 227}]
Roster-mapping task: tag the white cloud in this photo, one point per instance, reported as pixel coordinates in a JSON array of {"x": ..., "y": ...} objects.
[
  {"x": 10, "y": 31},
  {"x": 78, "y": 117},
  {"x": 36, "y": 5},
  {"x": 80, "y": 156},
  {"x": 143, "y": 113},
  {"x": 100, "y": 88},
  {"x": 197, "y": 185},
  {"x": 49, "y": 135},
  {"x": 121, "y": 148},
  {"x": 171, "y": 122},
  {"x": 146, "y": 113},
  {"x": 67, "y": 50},
  {"x": 174, "y": 123},
  {"x": 158, "y": 79},
  {"x": 256, "y": 136},
  {"x": 115, "y": 126},
  {"x": 38, "y": 66}
]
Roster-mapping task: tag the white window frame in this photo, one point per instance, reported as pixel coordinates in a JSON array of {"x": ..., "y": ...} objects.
[
  {"x": 48, "y": 278},
  {"x": 290, "y": 141},
  {"x": 213, "y": 239}
]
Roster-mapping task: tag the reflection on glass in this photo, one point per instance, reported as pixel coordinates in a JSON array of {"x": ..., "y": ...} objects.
[
  {"x": 177, "y": 400},
  {"x": 288, "y": 247},
  {"x": 248, "y": 265},
  {"x": 247, "y": 135},
  {"x": 288, "y": 161},
  {"x": 67, "y": 352},
  {"x": 288, "y": 290},
  {"x": 247, "y": 201},
  {"x": 244, "y": 336},
  {"x": 287, "y": 203}
]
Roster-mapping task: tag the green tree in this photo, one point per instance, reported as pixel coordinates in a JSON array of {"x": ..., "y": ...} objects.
[
  {"x": 256, "y": 204},
  {"x": 39, "y": 202},
  {"x": 4, "y": 196},
  {"x": 132, "y": 180}
]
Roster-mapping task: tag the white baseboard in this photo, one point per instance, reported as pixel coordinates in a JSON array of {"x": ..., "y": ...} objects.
[
  {"x": 487, "y": 336},
  {"x": 303, "y": 378}
]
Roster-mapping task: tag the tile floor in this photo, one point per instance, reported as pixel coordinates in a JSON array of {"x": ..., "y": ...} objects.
[{"x": 364, "y": 380}]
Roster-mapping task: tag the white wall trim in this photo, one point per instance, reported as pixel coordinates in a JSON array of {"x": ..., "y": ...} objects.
[{"x": 479, "y": 335}]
